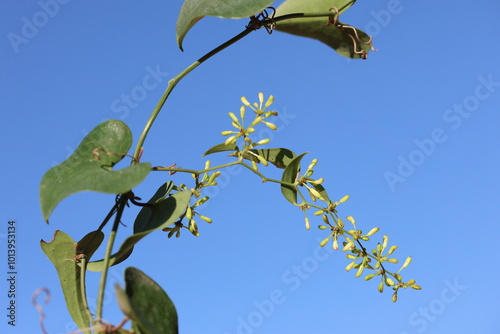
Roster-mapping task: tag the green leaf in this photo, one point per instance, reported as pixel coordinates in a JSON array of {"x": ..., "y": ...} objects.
[
  {"x": 149, "y": 305},
  {"x": 322, "y": 191},
  {"x": 62, "y": 251},
  {"x": 290, "y": 176},
  {"x": 194, "y": 10},
  {"x": 316, "y": 28},
  {"x": 163, "y": 213},
  {"x": 89, "y": 168},
  {"x": 280, "y": 157},
  {"x": 221, "y": 148}
]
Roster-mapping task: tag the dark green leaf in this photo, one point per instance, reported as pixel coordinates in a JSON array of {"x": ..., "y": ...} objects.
[
  {"x": 164, "y": 213},
  {"x": 151, "y": 308},
  {"x": 290, "y": 176},
  {"x": 280, "y": 157},
  {"x": 319, "y": 188},
  {"x": 89, "y": 168},
  {"x": 316, "y": 27},
  {"x": 194, "y": 10},
  {"x": 221, "y": 148},
  {"x": 62, "y": 251}
]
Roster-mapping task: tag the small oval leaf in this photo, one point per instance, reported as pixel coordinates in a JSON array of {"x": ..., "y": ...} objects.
[{"x": 290, "y": 176}]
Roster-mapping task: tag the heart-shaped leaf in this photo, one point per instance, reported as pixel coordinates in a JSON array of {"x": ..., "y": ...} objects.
[
  {"x": 147, "y": 304},
  {"x": 316, "y": 27},
  {"x": 290, "y": 176},
  {"x": 164, "y": 212},
  {"x": 63, "y": 252},
  {"x": 194, "y": 10},
  {"x": 89, "y": 168}
]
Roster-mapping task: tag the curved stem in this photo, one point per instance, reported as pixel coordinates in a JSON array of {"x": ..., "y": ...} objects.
[{"x": 174, "y": 81}]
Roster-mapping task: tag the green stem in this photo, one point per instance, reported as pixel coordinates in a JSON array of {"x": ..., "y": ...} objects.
[
  {"x": 174, "y": 81},
  {"x": 121, "y": 203},
  {"x": 83, "y": 288}
]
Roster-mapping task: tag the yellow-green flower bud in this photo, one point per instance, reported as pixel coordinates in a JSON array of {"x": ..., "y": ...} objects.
[
  {"x": 351, "y": 219},
  {"x": 407, "y": 262},
  {"x": 261, "y": 97},
  {"x": 189, "y": 213},
  {"x": 263, "y": 141},
  {"x": 318, "y": 181},
  {"x": 250, "y": 130},
  {"x": 323, "y": 227},
  {"x": 395, "y": 296},
  {"x": 392, "y": 260},
  {"x": 308, "y": 224},
  {"x": 369, "y": 277},
  {"x": 344, "y": 199},
  {"x": 335, "y": 245},
  {"x": 208, "y": 220},
  {"x": 270, "y": 125},
  {"x": 385, "y": 241},
  {"x": 254, "y": 166},
  {"x": 360, "y": 270},
  {"x": 269, "y": 101},
  {"x": 213, "y": 176},
  {"x": 226, "y": 133},
  {"x": 242, "y": 112},
  {"x": 373, "y": 231},
  {"x": 340, "y": 223},
  {"x": 245, "y": 101},
  {"x": 207, "y": 164},
  {"x": 233, "y": 117},
  {"x": 389, "y": 281},
  {"x": 324, "y": 242},
  {"x": 381, "y": 287},
  {"x": 312, "y": 164},
  {"x": 231, "y": 140},
  {"x": 256, "y": 121},
  {"x": 415, "y": 286},
  {"x": 411, "y": 282},
  {"x": 351, "y": 256},
  {"x": 392, "y": 249},
  {"x": 350, "y": 265},
  {"x": 315, "y": 193},
  {"x": 319, "y": 213},
  {"x": 262, "y": 160}
]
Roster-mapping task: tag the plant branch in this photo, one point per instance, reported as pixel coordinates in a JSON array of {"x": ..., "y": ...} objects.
[{"x": 120, "y": 206}]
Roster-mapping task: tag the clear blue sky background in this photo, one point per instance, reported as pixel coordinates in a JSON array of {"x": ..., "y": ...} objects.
[{"x": 430, "y": 96}]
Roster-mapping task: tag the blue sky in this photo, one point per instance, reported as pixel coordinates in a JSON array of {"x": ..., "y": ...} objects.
[{"x": 411, "y": 134}]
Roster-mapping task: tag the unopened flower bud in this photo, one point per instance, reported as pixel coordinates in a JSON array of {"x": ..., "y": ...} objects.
[
  {"x": 312, "y": 164},
  {"x": 324, "y": 242},
  {"x": 189, "y": 213},
  {"x": 263, "y": 141},
  {"x": 389, "y": 281},
  {"x": 373, "y": 231},
  {"x": 226, "y": 133},
  {"x": 269, "y": 101},
  {"x": 392, "y": 249},
  {"x": 351, "y": 219},
  {"x": 245, "y": 101},
  {"x": 208, "y": 220},
  {"x": 369, "y": 277},
  {"x": 242, "y": 112},
  {"x": 308, "y": 224},
  {"x": 207, "y": 164},
  {"x": 407, "y": 262},
  {"x": 233, "y": 117},
  {"x": 360, "y": 270},
  {"x": 395, "y": 296},
  {"x": 270, "y": 125},
  {"x": 381, "y": 287},
  {"x": 344, "y": 199}
]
